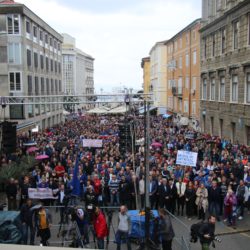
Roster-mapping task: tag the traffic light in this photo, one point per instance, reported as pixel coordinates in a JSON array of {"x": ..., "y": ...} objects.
[{"x": 8, "y": 137}]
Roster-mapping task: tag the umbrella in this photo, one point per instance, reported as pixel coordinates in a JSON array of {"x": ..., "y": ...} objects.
[
  {"x": 42, "y": 157},
  {"x": 32, "y": 149},
  {"x": 156, "y": 145}
]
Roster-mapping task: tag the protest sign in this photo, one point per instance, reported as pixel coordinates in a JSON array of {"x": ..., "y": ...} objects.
[
  {"x": 41, "y": 193},
  {"x": 91, "y": 143},
  {"x": 186, "y": 158}
]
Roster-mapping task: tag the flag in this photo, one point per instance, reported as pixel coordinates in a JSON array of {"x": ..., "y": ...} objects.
[{"x": 76, "y": 182}]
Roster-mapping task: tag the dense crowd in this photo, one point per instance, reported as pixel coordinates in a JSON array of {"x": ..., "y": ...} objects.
[{"x": 219, "y": 184}]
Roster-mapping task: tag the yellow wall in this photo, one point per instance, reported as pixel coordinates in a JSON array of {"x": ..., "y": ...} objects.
[{"x": 185, "y": 43}]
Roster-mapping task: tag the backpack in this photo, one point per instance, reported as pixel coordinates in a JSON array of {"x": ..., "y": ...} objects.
[{"x": 194, "y": 231}]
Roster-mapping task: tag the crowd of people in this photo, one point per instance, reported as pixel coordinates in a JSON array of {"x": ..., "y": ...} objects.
[{"x": 219, "y": 184}]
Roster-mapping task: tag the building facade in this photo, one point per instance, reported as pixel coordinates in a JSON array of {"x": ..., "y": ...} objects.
[
  {"x": 145, "y": 65},
  {"x": 183, "y": 71},
  {"x": 225, "y": 69},
  {"x": 158, "y": 71},
  {"x": 30, "y": 65},
  {"x": 78, "y": 69}
]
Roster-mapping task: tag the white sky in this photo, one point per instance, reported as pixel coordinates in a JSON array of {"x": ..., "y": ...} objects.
[{"x": 117, "y": 33}]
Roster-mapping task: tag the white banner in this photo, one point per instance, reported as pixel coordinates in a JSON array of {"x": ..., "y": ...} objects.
[
  {"x": 41, "y": 193},
  {"x": 91, "y": 143},
  {"x": 186, "y": 158}
]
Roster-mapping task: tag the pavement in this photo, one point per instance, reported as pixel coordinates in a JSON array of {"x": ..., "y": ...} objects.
[{"x": 181, "y": 224}]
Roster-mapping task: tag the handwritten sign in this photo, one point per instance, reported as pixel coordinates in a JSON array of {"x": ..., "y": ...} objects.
[
  {"x": 91, "y": 143},
  {"x": 41, "y": 193},
  {"x": 186, "y": 158}
]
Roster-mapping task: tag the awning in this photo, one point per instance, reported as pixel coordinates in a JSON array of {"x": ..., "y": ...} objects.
[
  {"x": 25, "y": 126},
  {"x": 118, "y": 110},
  {"x": 166, "y": 116},
  {"x": 141, "y": 110}
]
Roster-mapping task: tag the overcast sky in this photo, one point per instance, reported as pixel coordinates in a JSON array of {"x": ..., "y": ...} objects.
[{"x": 117, "y": 33}]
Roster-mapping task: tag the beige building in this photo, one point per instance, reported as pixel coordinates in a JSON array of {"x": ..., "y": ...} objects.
[
  {"x": 225, "y": 69},
  {"x": 30, "y": 65},
  {"x": 183, "y": 71},
  {"x": 145, "y": 65},
  {"x": 158, "y": 71}
]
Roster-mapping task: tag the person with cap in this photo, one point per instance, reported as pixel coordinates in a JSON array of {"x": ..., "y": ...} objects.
[{"x": 83, "y": 225}]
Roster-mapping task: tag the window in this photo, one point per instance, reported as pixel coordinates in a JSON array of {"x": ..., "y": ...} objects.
[
  {"x": 205, "y": 48},
  {"x": 28, "y": 27},
  {"x": 194, "y": 108},
  {"x": 42, "y": 61},
  {"x": 56, "y": 86},
  {"x": 15, "y": 81},
  {"x": 47, "y": 63},
  {"x": 13, "y": 24},
  {"x": 47, "y": 86},
  {"x": 14, "y": 53},
  {"x": 60, "y": 86},
  {"x": 248, "y": 88},
  {"x": 35, "y": 60},
  {"x": 222, "y": 88},
  {"x": 51, "y": 41},
  {"x": 55, "y": 66},
  {"x": 187, "y": 60},
  {"x": 28, "y": 57},
  {"x": 59, "y": 47},
  {"x": 223, "y": 40},
  {"x": 194, "y": 83},
  {"x": 55, "y": 44},
  {"x": 180, "y": 43},
  {"x": 187, "y": 39},
  {"x": 204, "y": 89},
  {"x": 194, "y": 57},
  {"x": 29, "y": 85},
  {"x": 36, "y": 85},
  {"x": 185, "y": 106},
  {"x": 42, "y": 86},
  {"x": 180, "y": 62},
  {"x": 52, "y": 85},
  {"x": 59, "y": 67},
  {"x": 41, "y": 35},
  {"x": 218, "y": 4},
  {"x": 212, "y": 89},
  {"x": 51, "y": 65},
  {"x": 46, "y": 38},
  {"x": 187, "y": 82},
  {"x": 236, "y": 34},
  {"x": 234, "y": 95},
  {"x": 213, "y": 45},
  {"x": 34, "y": 31},
  {"x": 180, "y": 86},
  {"x": 194, "y": 35}
]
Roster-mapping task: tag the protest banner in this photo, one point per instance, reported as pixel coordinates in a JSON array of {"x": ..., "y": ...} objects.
[
  {"x": 91, "y": 143},
  {"x": 41, "y": 193},
  {"x": 186, "y": 158}
]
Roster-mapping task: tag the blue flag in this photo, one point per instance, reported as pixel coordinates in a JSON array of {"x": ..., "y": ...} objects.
[{"x": 76, "y": 182}]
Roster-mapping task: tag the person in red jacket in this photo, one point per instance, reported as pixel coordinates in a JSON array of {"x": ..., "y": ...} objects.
[
  {"x": 98, "y": 188},
  {"x": 100, "y": 227}
]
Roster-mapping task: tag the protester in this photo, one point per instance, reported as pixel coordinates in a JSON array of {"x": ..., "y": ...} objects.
[
  {"x": 123, "y": 229},
  {"x": 202, "y": 201},
  {"x": 206, "y": 232},
  {"x": 166, "y": 230},
  {"x": 100, "y": 227},
  {"x": 11, "y": 192}
]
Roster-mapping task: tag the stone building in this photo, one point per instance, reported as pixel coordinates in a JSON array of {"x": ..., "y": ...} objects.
[
  {"x": 78, "y": 68},
  {"x": 225, "y": 69},
  {"x": 30, "y": 66}
]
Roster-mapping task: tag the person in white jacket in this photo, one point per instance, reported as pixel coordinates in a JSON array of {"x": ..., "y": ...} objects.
[{"x": 181, "y": 188}]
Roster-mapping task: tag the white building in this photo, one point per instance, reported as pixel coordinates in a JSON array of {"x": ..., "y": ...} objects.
[{"x": 78, "y": 68}]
